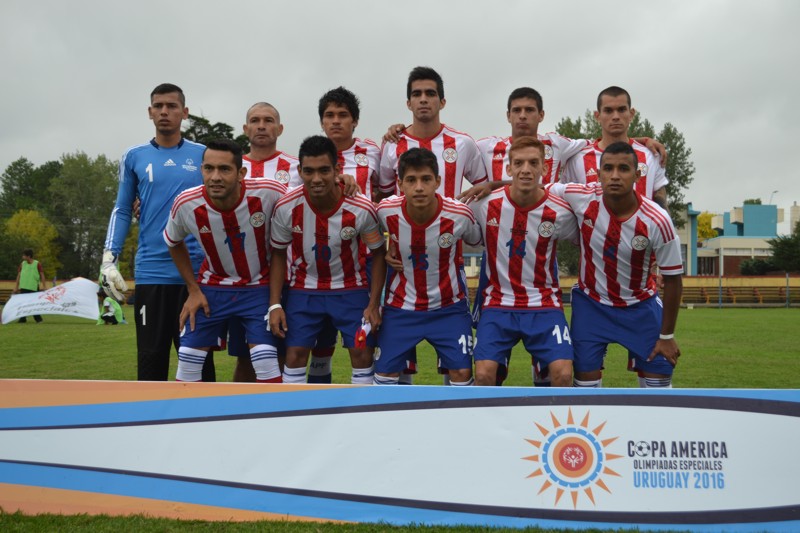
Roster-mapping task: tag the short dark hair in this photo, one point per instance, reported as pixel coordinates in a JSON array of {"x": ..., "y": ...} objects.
[
  {"x": 525, "y": 92},
  {"x": 28, "y": 252},
  {"x": 340, "y": 97},
  {"x": 620, "y": 147},
  {"x": 167, "y": 88},
  {"x": 263, "y": 104},
  {"x": 526, "y": 141},
  {"x": 417, "y": 158},
  {"x": 317, "y": 145},
  {"x": 425, "y": 73},
  {"x": 612, "y": 92},
  {"x": 226, "y": 145}
]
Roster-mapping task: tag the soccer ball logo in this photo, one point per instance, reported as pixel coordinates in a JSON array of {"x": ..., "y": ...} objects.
[{"x": 642, "y": 449}]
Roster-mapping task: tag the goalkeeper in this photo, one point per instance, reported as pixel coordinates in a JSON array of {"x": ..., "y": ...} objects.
[{"x": 155, "y": 172}]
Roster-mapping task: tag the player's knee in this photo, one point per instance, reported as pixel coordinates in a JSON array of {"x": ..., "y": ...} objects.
[
  {"x": 560, "y": 373},
  {"x": 485, "y": 373},
  {"x": 460, "y": 376}
]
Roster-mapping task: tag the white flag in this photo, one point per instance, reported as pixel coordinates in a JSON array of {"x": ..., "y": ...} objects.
[{"x": 74, "y": 298}]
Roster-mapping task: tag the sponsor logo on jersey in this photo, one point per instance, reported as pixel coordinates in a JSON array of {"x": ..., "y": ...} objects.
[
  {"x": 642, "y": 169},
  {"x": 282, "y": 176},
  {"x": 588, "y": 222},
  {"x": 189, "y": 165},
  {"x": 450, "y": 155},
  {"x": 361, "y": 160},
  {"x": 591, "y": 172},
  {"x": 446, "y": 240},
  {"x": 347, "y": 233},
  {"x": 548, "y": 151},
  {"x": 169, "y": 163},
  {"x": 492, "y": 222},
  {"x": 498, "y": 157},
  {"x": 258, "y": 219},
  {"x": 640, "y": 242},
  {"x": 205, "y": 229},
  {"x": 547, "y": 228},
  {"x": 297, "y": 229}
]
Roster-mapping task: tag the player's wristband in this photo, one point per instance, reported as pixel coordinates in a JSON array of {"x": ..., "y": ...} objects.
[
  {"x": 666, "y": 337},
  {"x": 274, "y": 307}
]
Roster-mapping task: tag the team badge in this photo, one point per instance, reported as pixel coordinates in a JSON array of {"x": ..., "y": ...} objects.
[
  {"x": 450, "y": 155},
  {"x": 446, "y": 240},
  {"x": 189, "y": 165},
  {"x": 547, "y": 228},
  {"x": 282, "y": 176},
  {"x": 258, "y": 219},
  {"x": 640, "y": 242},
  {"x": 642, "y": 169},
  {"x": 347, "y": 233},
  {"x": 548, "y": 151},
  {"x": 361, "y": 160}
]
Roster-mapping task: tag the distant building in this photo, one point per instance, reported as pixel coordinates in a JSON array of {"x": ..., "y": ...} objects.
[
  {"x": 743, "y": 233},
  {"x": 794, "y": 216}
]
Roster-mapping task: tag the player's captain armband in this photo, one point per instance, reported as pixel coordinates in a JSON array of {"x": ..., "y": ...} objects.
[{"x": 373, "y": 239}]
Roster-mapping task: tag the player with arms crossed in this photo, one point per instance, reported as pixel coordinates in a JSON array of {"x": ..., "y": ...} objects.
[
  {"x": 230, "y": 217},
  {"x": 155, "y": 172},
  {"x": 615, "y": 299},
  {"x": 427, "y": 299},
  {"x": 316, "y": 233},
  {"x": 521, "y": 224}
]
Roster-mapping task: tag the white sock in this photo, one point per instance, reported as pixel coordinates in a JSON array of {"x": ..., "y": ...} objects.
[
  {"x": 385, "y": 380},
  {"x": 363, "y": 376},
  {"x": 591, "y": 384},
  {"x": 658, "y": 383},
  {"x": 265, "y": 361},
  {"x": 462, "y": 383},
  {"x": 190, "y": 364},
  {"x": 294, "y": 375}
]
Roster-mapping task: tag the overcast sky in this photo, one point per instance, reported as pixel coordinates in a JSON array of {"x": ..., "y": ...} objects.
[{"x": 77, "y": 75}]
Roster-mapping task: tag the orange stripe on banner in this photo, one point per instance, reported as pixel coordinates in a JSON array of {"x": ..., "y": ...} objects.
[
  {"x": 46, "y": 392},
  {"x": 37, "y": 500}
]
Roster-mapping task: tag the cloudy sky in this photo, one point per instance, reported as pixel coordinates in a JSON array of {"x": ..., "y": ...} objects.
[{"x": 77, "y": 75}]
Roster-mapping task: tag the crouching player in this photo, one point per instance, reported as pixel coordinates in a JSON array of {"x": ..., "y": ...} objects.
[
  {"x": 230, "y": 218},
  {"x": 521, "y": 224},
  {"x": 621, "y": 231},
  {"x": 426, "y": 300},
  {"x": 317, "y": 232}
]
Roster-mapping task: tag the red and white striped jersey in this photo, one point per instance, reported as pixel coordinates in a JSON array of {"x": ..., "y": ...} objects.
[
  {"x": 583, "y": 168},
  {"x": 557, "y": 150},
  {"x": 279, "y": 167},
  {"x": 235, "y": 242},
  {"x": 323, "y": 249},
  {"x": 457, "y": 153},
  {"x": 430, "y": 277},
  {"x": 616, "y": 255},
  {"x": 362, "y": 161},
  {"x": 521, "y": 249}
]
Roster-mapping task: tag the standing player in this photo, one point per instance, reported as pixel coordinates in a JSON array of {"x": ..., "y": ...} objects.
[
  {"x": 427, "y": 299},
  {"x": 30, "y": 278},
  {"x": 614, "y": 114},
  {"x": 263, "y": 127},
  {"x": 155, "y": 172},
  {"x": 319, "y": 231},
  {"x": 230, "y": 217},
  {"x": 615, "y": 300},
  {"x": 521, "y": 224}
]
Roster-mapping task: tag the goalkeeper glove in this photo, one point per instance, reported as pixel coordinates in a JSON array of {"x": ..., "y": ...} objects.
[{"x": 111, "y": 280}]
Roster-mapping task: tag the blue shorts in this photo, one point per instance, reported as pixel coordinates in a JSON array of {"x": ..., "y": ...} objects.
[
  {"x": 307, "y": 312},
  {"x": 595, "y": 326},
  {"x": 236, "y": 342},
  {"x": 543, "y": 332},
  {"x": 448, "y": 330},
  {"x": 246, "y": 306}
]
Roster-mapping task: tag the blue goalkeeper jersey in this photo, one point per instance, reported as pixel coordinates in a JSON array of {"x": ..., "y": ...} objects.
[{"x": 156, "y": 175}]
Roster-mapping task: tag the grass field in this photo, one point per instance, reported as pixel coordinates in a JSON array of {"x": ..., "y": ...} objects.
[{"x": 722, "y": 348}]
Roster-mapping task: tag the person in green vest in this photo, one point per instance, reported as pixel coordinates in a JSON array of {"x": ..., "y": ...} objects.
[
  {"x": 110, "y": 310},
  {"x": 30, "y": 278}
]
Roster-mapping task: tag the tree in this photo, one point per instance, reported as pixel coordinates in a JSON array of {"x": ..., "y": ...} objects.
[
  {"x": 756, "y": 267},
  {"x": 704, "y": 229},
  {"x": 201, "y": 130},
  {"x": 81, "y": 198},
  {"x": 680, "y": 169},
  {"x": 29, "y": 229},
  {"x": 568, "y": 258},
  {"x": 752, "y": 201},
  {"x": 786, "y": 251},
  {"x": 24, "y": 186}
]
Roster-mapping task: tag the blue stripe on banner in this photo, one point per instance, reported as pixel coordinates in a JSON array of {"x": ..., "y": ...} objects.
[
  {"x": 265, "y": 500},
  {"x": 372, "y": 399}
]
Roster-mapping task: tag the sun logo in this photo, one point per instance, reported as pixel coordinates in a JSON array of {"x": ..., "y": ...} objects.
[{"x": 572, "y": 458}]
